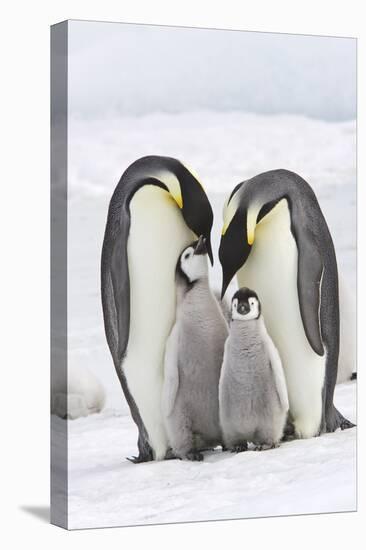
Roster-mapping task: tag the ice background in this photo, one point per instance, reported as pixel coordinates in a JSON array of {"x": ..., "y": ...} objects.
[{"x": 230, "y": 105}]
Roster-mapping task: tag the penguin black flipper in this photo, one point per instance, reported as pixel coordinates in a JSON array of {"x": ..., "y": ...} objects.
[
  {"x": 317, "y": 283},
  {"x": 115, "y": 290},
  {"x": 309, "y": 279}
]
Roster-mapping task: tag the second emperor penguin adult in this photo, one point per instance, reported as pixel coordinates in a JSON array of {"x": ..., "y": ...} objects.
[
  {"x": 157, "y": 209},
  {"x": 193, "y": 359},
  {"x": 275, "y": 239},
  {"x": 252, "y": 390}
]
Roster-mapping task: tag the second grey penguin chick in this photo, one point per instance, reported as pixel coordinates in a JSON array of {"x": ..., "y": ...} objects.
[
  {"x": 252, "y": 391},
  {"x": 193, "y": 359}
]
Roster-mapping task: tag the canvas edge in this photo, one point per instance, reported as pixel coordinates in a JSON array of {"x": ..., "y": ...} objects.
[{"x": 58, "y": 253}]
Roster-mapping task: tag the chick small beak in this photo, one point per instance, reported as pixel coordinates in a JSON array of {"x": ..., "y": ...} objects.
[{"x": 243, "y": 309}]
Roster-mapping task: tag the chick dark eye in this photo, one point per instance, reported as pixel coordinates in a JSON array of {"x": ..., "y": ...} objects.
[{"x": 186, "y": 256}]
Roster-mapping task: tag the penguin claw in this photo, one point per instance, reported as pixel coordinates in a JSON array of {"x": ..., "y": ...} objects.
[
  {"x": 194, "y": 456},
  {"x": 138, "y": 459},
  {"x": 133, "y": 459},
  {"x": 241, "y": 448},
  {"x": 170, "y": 455},
  {"x": 288, "y": 437},
  {"x": 266, "y": 446},
  {"x": 337, "y": 420},
  {"x": 346, "y": 424}
]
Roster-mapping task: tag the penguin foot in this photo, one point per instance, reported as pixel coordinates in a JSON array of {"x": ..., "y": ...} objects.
[
  {"x": 240, "y": 448},
  {"x": 145, "y": 451},
  {"x": 266, "y": 446},
  {"x": 336, "y": 421},
  {"x": 346, "y": 424},
  {"x": 289, "y": 431},
  {"x": 354, "y": 376},
  {"x": 288, "y": 437},
  {"x": 143, "y": 457},
  {"x": 170, "y": 455},
  {"x": 194, "y": 456},
  {"x": 138, "y": 459}
]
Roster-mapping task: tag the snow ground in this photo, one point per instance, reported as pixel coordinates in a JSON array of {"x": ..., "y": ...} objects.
[
  {"x": 300, "y": 477},
  {"x": 223, "y": 148}
]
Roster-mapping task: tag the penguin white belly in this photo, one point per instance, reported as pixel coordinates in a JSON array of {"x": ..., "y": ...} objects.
[
  {"x": 271, "y": 270},
  {"x": 157, "y": 236}
]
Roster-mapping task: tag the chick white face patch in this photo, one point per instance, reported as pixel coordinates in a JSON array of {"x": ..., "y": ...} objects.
[
  {"x": 193, "y": 265},
  {"x": 245, "y": 311}
]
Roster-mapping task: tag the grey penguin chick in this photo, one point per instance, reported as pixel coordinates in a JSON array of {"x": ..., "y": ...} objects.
[
  {"x": 193, "y": 359},
  {"x": 252, "y": 390}
]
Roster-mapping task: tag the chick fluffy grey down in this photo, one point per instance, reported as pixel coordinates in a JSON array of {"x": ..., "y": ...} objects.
[
  {"x": 252, "y": 391},
  {"x": 193, "y": 359}
]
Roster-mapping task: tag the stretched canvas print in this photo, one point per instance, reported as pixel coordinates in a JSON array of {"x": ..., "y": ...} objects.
[{"x": 203, "y": 274}]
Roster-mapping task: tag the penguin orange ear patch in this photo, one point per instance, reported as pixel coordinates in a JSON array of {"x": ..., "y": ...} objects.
[
  {"x": 178, "y": 199},
  {"x": 252, "y": 215},
  {"x": 251, "y": 237}
]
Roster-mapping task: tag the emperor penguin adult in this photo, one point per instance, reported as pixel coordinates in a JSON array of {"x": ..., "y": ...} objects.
[
  {"x": 157, "y": 208},
  {"x": 275, "y": 239}
]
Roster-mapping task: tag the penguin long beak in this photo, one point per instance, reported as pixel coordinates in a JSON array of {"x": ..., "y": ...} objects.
[
  {"x": 204, "y": 247},
  {"x": 209, "y": 249},
  {"x": 226, "y": 279},
  {"x": 201, "y": 248}
]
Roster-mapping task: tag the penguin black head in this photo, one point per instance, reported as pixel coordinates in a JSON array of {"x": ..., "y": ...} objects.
[
  {"x": 196, "y": 208},
  {"x": 192, "y": 263},
  {"x": 188, "y": 193},
  {"x": 182, "y": 187},
  {"x": 234, "y": 249},
  {"x": 248, "y": 204},
  {"x": 245, "y": 305}
]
